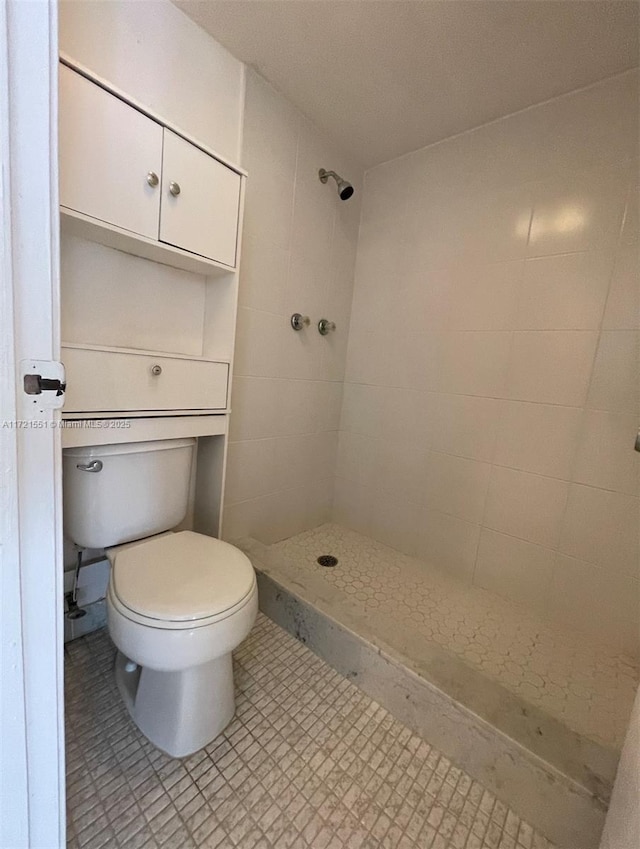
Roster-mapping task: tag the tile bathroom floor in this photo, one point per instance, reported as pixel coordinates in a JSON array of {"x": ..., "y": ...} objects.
[
  {"x": 589, "y": 687},
  {"x": 308, "y": 761}
]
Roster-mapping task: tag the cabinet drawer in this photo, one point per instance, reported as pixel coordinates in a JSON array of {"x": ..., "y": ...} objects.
[{"x": 110, "y": 381}]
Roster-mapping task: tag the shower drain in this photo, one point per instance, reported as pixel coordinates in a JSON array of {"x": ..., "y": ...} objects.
[{"x": 327, "y": 560}]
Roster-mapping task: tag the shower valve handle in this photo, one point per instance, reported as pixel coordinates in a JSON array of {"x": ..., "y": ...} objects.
[
  {"x": 299, "y": 321},
  {"x": 325, "y": 326}
]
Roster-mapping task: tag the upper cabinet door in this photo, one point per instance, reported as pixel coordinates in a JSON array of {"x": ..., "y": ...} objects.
[
  {"x": 110, "y": 157},
  {"x": 200, "y": 201}
]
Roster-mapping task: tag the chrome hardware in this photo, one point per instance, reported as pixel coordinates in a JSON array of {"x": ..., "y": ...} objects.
[
  {"x": 325, "y": 326},
  {"x": 299, "y": 321},
  {"x": 152, "y": 179},
  {"x": 156, "y": 370},
  {"x": 174, "y": 188},
  {"x": 637, "y": 445},
  {"x": 93, "y": 466}
]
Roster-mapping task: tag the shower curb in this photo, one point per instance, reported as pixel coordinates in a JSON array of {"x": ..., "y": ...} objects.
[{"x": 565, "y": 811}]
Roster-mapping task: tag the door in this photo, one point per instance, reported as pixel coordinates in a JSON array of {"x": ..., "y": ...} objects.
[
  {"x": 31, "y": 634},
  {"x": 110, "y": 157},
  {"x": 200, "y": 201}
]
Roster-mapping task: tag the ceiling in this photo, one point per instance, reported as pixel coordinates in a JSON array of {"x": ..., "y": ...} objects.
[{"x": 384, "y": 77}]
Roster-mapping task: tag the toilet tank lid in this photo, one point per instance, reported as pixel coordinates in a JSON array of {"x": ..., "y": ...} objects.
[
  {"x": 182, "y": 577},
  {"x": 88, "y": 451}
]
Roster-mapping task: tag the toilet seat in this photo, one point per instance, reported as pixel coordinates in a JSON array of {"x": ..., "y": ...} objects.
[{"x": 180, "y": 581}]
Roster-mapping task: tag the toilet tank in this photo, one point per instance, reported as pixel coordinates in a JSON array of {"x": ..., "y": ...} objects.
[{"x": 117, "y": 493}]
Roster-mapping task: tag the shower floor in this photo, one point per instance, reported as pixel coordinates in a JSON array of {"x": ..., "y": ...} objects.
[{"x": 587, "y": 687}]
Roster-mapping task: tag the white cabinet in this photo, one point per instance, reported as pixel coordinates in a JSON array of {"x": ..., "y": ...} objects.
[
  {"x": 138, "y": 179},
  {"x": 110, "y": 381},
  {"x": 200, "y": 201},
  {"x": 107, "y": 152}
]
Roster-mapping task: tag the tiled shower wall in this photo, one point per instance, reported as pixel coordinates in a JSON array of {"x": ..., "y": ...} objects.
[
  {"x": 491, "y": 395},
  {"x": 298, "y": 255}
]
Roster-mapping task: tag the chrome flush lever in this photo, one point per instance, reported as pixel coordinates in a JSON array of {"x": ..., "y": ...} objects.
[{"x": 93, "y": 466}]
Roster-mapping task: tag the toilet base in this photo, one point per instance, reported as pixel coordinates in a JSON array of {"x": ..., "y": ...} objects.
[{"x": 179, "y": 712}]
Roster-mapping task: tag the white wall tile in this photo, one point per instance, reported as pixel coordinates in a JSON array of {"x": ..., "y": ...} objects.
[
  {"x": 299, "y": 256},
  {"x": 615, "y": 382},
  {"x": 463, "y": 425},
  {"x": 607, "y": 607},
  {"x": 359, "y": 459},
  {"x": 456, "y": 485},
  {"x": 580, "y": 212},
  {"x": 486, "y": 267},
  {"x": 538, "y": 438},
  {"x": 551, "y": 367},
  {"x": 255, "y": 408},
  {"x": 469, "y": 363},
  {"x": 402, "y": 470},
  {"x": 483, "y": 297},
  {"x": 448, "y": 319},
  {"x": 601, "y": 527},
  {"x": 448, "y": 543},
  {"x": 623, "y": 304},
  {"x": 631, "y": 226},
  {"x": 524, "y": 505},
  {"x": 265, "y": 266},
  {"x": 352, "y": 505},
  {"x": 514, "y": 568},
  {"x": 564, "y": 292},
  {"x": 395, "y": 522},
  {"x": 270, "y": 127},
  {"x": 268, "y": 213},
  {"x": 328, "y": 397},
  {"x": 605, "y": 455},
  {"x": 250, "y": 469}
]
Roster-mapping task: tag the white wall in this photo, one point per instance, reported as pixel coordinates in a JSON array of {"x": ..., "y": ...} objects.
[
  {"x": 162, "y": 59},
  {"x": 622, "y": 827},
  {"x": 298, "y": 255},
  {"x": 491, "y": 397}
]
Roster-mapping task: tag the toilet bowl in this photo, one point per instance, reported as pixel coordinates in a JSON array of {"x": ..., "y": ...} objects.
[
  {"x": 177, "y": 606},
  {"x": 178, "y": 603}
]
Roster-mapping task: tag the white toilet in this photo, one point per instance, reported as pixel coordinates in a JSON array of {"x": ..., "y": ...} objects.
[{"x": 177, "y": 603}]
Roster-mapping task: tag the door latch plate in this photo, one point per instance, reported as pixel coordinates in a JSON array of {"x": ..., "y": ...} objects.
[{"x": 43, "y": 393}]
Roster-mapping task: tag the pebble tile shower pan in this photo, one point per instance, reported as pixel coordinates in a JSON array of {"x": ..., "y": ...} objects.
[{"x": 536, "y": 713}]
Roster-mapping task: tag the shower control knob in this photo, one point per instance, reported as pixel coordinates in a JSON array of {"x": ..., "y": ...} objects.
[
  {"x": 325, "y": 326},
  {"x": 152, "y": 179},
  {"x": 174, "y": 188},
  {"x": 156, "y": 370},
  {"x": 299, "y": 321}
]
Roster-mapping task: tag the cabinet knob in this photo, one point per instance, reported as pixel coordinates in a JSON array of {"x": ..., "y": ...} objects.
[
  {"x": 152, "y": 179},
  {"x": 156, "y": 370},
  {"x": 174, "y": 188}
]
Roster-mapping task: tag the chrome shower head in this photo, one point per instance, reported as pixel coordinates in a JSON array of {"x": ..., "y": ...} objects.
[{"x": 345, "y": 189}]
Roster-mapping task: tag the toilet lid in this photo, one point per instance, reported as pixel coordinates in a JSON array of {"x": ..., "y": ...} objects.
[{"x": 182, "y": 577}]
